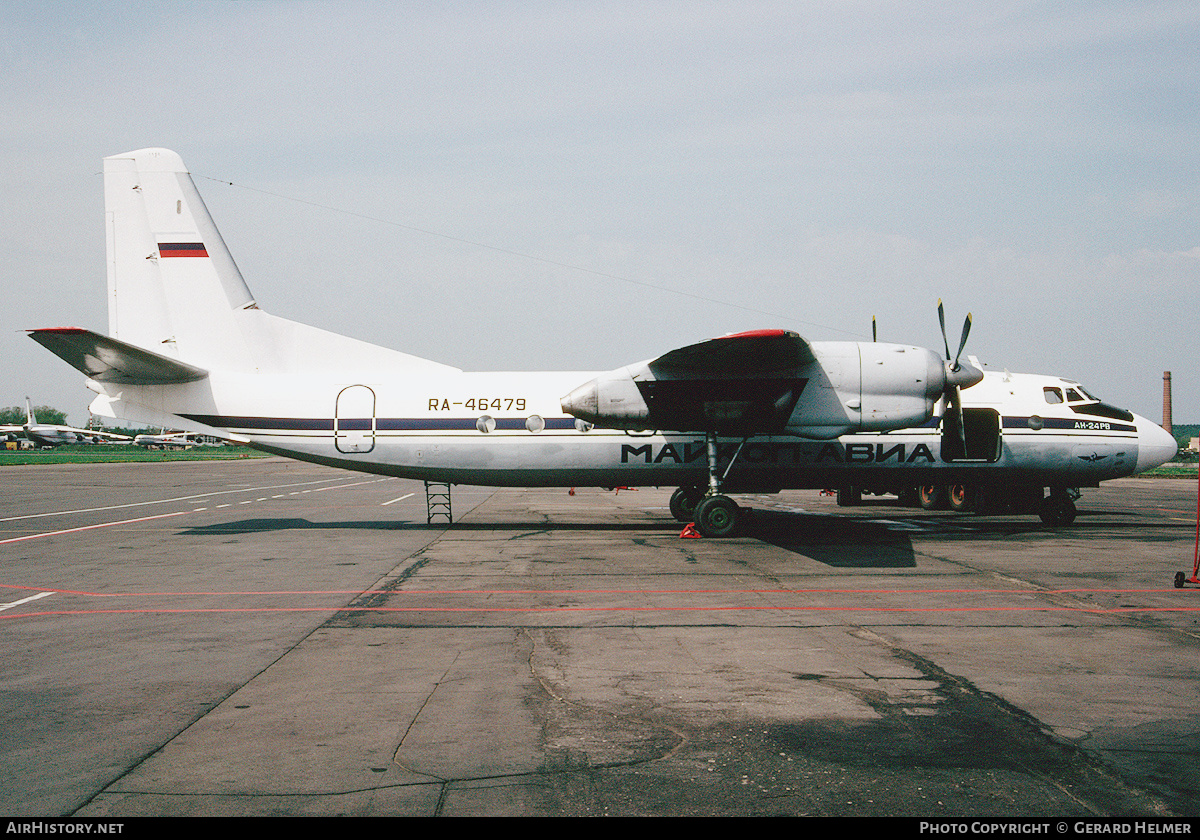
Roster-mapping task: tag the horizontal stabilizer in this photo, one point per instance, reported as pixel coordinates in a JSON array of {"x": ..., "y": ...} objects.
[{"x": 109, "y": 360}]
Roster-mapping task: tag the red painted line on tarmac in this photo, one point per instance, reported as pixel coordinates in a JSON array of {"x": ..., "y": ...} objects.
[
  {"x": 823, "y": 591},
  {"x": 1087, "y": 610},
  {"x": 753, "y": 591},
  {"x": 489, "y": 592}
]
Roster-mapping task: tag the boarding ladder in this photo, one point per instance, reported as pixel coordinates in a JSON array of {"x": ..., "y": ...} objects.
[{"x": 437, "y": 501}]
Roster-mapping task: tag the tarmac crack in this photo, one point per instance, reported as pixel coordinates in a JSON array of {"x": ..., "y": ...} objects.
[
  {"x": 966, "y": 729},
  {"x": 408, "y": 729},
  {"x": 581, "y": 712}
]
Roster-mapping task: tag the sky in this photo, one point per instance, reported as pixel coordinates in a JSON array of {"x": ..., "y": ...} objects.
[{"x": 578, "y": 186}]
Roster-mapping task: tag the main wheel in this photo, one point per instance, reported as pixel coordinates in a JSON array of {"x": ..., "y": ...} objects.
[
  {"x": 849, "y": 496},
  {"x": 933, "y": 496},
  {"x": 961, "y": 497},
  {"x": 717, "y": 516},
  {"x": 684, "y": 501},
  {"x": 1057, "y": 510}
]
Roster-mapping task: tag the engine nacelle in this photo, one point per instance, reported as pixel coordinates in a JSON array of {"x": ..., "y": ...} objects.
[{"x": 838, "y": 388}]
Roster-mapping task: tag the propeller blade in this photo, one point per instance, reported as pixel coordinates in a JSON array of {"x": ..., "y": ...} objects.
[
  {"x": 873, "y": 334},
  {"x": 962, "y": 343},
  {"x": 962, "y": 427},
  {"x": 942, "y": 321},
  {"x": 957, "y": 376}
]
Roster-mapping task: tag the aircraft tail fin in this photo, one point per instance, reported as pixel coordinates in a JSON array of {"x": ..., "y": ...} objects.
[
  {"x": 30, "y": 418},
  {"x": 172, "y": 284},
  {"x": 175, "y": 291}
]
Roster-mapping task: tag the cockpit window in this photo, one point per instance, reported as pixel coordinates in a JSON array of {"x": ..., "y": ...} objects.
[
  {"x": 1074, "y": 396},
  {"x": 1099, "y": 409},
  {"x": 1088, "y": 394},
  {"x": 1053, "y": 395}
]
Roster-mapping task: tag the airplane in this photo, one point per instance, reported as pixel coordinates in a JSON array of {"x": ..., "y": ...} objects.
[
  {"x": 165, "y": 440},
  {"x": 189, "y": 347},
  {"x": 48, "y": 434}
]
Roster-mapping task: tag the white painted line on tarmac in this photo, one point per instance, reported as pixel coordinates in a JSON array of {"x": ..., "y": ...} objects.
[
  {"x": 176, "y": 513},
  {"x": 401, "y": 499},
  {"x": 180, "y": 499},
  {"x": 24, "y": 600},
  {"x": 91, "y": 527},
  {"x": 342, "y": 486}
]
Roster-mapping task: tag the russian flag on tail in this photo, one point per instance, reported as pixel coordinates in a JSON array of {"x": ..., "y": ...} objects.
[{"x": 182, "y": 249}]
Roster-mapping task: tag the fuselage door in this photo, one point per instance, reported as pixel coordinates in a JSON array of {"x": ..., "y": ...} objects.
[
  {"x": 981, "y": 427},
  {"x": 354, "y": 419}
]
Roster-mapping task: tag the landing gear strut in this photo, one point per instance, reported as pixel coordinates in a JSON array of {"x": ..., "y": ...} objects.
[{"x": 716, "y": 515}]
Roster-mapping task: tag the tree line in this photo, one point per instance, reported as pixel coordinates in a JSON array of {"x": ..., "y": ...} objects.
[{"x": 15, "y": 415}]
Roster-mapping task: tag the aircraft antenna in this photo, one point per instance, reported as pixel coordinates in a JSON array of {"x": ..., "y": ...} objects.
[{"x": 522, "y": 255}]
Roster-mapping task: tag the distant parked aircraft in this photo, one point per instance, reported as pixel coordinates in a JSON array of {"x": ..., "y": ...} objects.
[{"x": 48, "y": 434}]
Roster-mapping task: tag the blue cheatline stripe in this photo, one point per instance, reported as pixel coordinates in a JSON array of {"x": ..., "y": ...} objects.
[
  {"x": 382, "y": 424},
  {"x": 513, "y": 424},
  {"x": 1098, "y": 424},
  {"x": 291, "y": 423}
]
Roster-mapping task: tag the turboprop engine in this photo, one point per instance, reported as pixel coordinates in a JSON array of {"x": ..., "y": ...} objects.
[{"x": 773, "y": 382}]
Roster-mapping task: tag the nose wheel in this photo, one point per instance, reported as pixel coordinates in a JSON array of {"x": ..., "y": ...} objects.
[
  {"x": 717, "y": 516},
  {"x": 1057, "y": 509},
  {"x": 684, "y": 502}
]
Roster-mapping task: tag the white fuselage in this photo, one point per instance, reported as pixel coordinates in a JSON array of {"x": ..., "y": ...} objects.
[{"x": 508, "y": 429}]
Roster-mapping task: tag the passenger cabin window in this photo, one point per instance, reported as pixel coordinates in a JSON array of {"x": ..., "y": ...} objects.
[{"x": 1053, "y": 395}]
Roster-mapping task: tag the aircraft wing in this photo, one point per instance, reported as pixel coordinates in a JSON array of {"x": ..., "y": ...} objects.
[
  {"x": 95, "y": 433},
  {"x": 109, "y": 360},
  {"x": 746, "y": 383},
  {"x": 11, "y": 432},
  {"x": 746, "y": 354}
]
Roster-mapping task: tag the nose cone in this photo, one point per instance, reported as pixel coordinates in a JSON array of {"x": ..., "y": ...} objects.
[
  {"x": 1155, "y": 446},
  {"x": 610, "y": 401},
  {"x": 964, "y": 376},
  {"x": 583, "y": 402}
]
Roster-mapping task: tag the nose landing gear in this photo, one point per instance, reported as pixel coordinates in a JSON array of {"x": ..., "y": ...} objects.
[{"x": 714, "y": 514}]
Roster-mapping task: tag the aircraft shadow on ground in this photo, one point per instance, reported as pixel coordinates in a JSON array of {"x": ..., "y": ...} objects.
[
  {"x": 836, "y": 541},
  {"x": 260, "y": 526}
]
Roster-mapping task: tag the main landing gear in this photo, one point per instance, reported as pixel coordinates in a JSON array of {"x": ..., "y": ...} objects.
[
  {"x": 1058, "y": 508},
  {"x": 714, "y": 514}
]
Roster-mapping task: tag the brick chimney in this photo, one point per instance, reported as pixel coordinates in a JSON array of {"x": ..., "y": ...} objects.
[{"x": 1166, "y": 423}]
